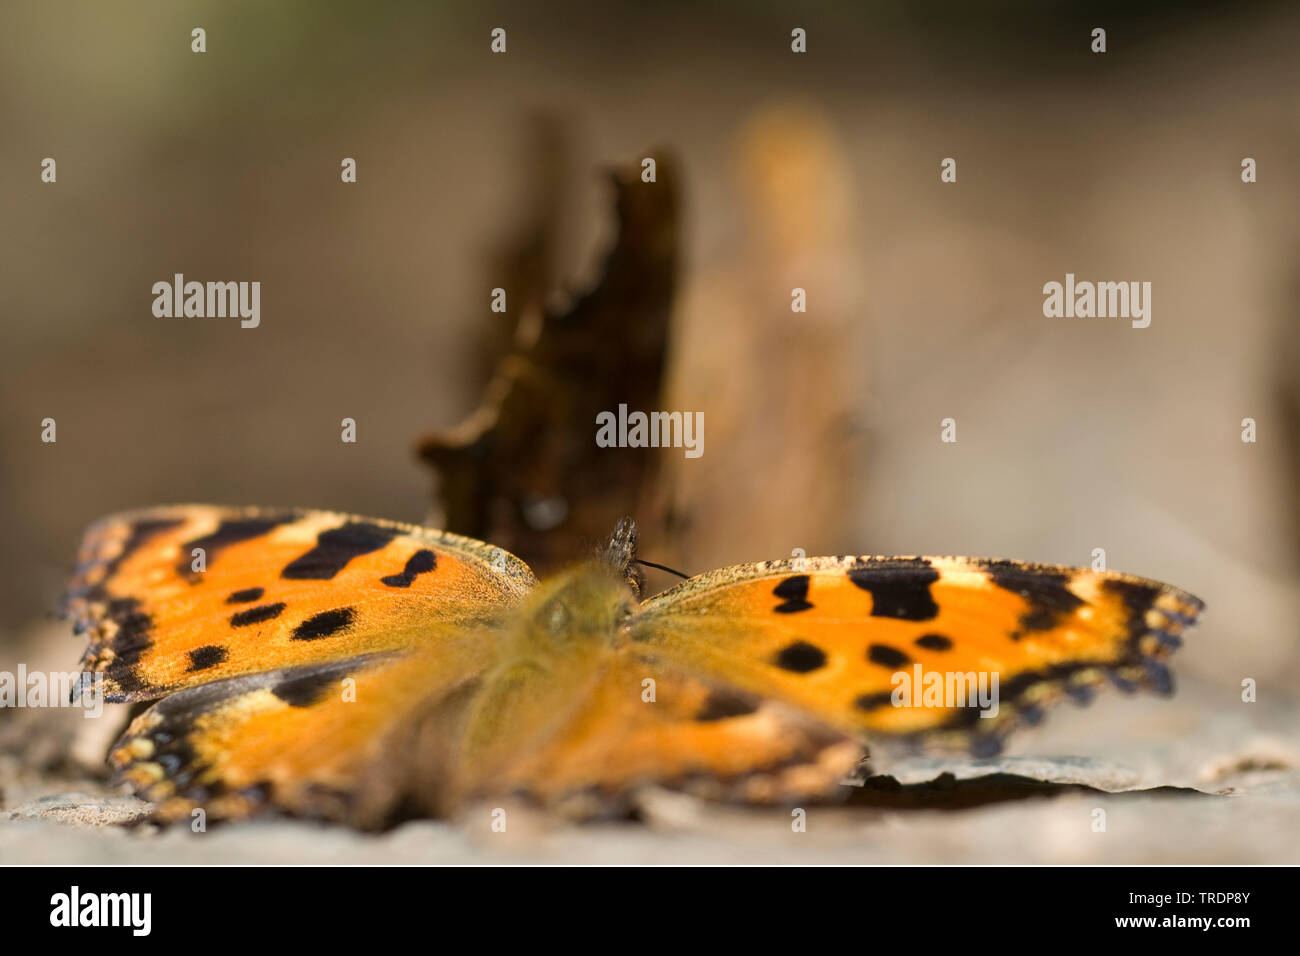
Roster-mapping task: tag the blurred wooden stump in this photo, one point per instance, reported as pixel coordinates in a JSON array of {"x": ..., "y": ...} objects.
[
  {"x": 524, "y": 471},
  {"x": 778, "y": 389}
]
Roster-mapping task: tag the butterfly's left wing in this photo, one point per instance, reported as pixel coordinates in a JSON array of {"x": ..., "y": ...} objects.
[
  {"x": 296, "y": 653},
  {"x": 845, "y": 639},
  {"x": 180, "y": 596},
  {"x": 361, "y": 740}
]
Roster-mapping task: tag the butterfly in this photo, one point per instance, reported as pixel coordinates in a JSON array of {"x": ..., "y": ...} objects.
[{"x": 359, "y": 670}]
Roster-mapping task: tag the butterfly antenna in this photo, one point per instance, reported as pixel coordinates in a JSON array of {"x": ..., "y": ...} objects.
[{"x": 660, "y": 567}]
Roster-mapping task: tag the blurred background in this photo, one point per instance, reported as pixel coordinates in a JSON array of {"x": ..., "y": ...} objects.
[{"x": 818, "y": 170}]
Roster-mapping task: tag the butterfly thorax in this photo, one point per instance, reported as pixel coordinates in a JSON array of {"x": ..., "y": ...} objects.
[
  {"x": 555, "y": 650},
  {"x": 586, "y": 605}
]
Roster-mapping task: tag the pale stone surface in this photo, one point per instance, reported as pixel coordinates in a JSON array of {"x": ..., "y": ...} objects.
[
  {"x": 1225, "y": 789},
  {"x": 1145, "y": 829}
]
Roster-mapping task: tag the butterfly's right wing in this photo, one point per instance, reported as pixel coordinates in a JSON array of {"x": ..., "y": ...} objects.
[{"x": 838, "y": 637}]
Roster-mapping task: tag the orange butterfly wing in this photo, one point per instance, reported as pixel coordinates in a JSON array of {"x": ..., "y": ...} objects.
[
  {"x": 356, "y": 740},
  {"x": 829, "y": 636},
  {"x": 182, "y": 596},
  {"x": 634, "y": 721}
]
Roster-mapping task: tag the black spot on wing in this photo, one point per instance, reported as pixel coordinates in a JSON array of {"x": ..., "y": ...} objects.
[
  {"x": 887, "y": 656},
  {"x": 1081, "y": 694},
  {"x": 1137, "y": 599},
  {"x": 324, "y": 624},
  {"x": 244, "y": 596},
  {"x": 899, "y": 588},
  {"x": 335, "y": 548},
  {"x": 231, "y": 531},
  {"x": 308, "y": 689},
  {"x": 256, "y": 615},
  {"x": 870, "y": 702},
  {"x": 794, "y": 594},
  {"x": 1046, "y": 592},
  {"x": 1122, "y": 682},
  {"x": 422, "y": 562},
  {"x": 934, "y": 642},
  {"x": 721, "y": 705},
  {"x": 801, "y": 658},
  {"x": 1158, "y": 677},
  {"x": 210, "y": 655},
  {"x": 134, "y": 629}
]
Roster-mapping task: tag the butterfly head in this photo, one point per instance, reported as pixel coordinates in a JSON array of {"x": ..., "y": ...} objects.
[
  {"x": 592, "y": 600},
  {"x": 619, "y": 555}
]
